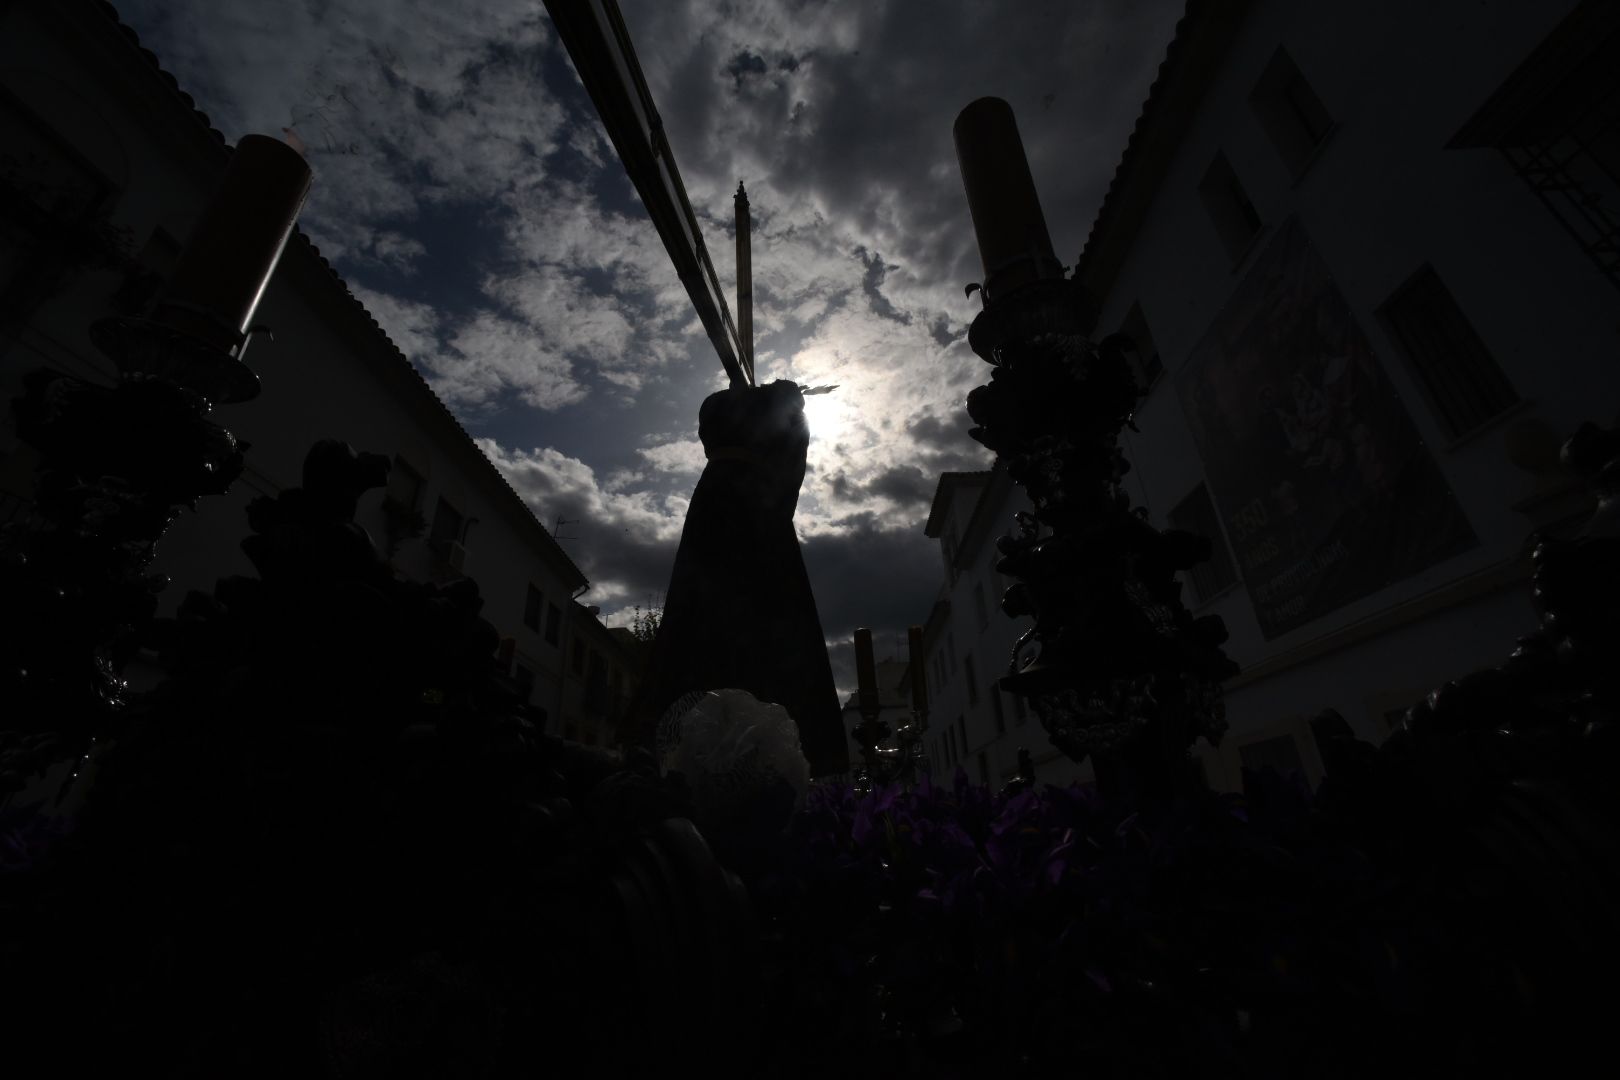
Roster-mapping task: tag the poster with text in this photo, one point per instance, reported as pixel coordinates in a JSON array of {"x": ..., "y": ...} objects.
[{"x": 1315, "y": 467}]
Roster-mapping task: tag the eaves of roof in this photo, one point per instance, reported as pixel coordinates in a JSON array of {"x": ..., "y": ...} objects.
[
  {"x": 1202, "y": 37},
  {"x": 403, "y": 369}
]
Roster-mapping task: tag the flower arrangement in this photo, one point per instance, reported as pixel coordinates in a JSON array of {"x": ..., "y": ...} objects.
[{"x": 959, "y": 930}]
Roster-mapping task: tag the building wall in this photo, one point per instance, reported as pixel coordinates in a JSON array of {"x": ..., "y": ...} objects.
[
  {"x": 1382, "y": 197},
  {"x": 329, "y": 372},
  {"x": 969, "y": 649},
  {"x": 600, "y": 677}
]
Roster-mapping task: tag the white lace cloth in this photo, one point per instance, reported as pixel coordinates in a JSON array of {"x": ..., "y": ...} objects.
[{"x": 730, "y": 746}]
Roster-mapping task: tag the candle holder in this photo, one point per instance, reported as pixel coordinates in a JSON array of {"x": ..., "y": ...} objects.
[
  {"x": 885, "y": 764},
  {"x": 1114, "y": 667},
  {"x": 117, "y": 463},
  {"x": 888, "y": 764}
]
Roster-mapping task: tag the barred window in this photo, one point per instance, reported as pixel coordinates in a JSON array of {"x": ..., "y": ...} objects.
[
  {"x": 1556, "y": 119},
  {"x": 1196, "y": 514},
  {"x": 1461, "y": 380}
]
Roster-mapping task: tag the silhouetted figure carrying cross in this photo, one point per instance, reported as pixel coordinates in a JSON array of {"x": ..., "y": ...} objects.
[{"x": 739, "y": 612}]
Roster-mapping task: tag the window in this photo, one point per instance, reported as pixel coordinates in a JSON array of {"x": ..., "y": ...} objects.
[
  {"x": 447, "y": 524},
  {"x": 950, "y": 546},
  {"x": 1290, "y": 112},
  {"x": 1234, "y": 216},
  {"x": 531, "y": 608},
  {"x": 1556, "y": 121},
  {"x": 1460, "y": 378},
  {"x": 51, "y": 188},
  {"x": 578, "y": 659},
  {"x": 984, "y": 768},
  {"x": 950, "y": 650},
  {"x": 950, "y": 747},
  {"x": 525, "y": 682},
  {"x": 1144, "y": 354},
  {"x": 972, "y": 680},
  {"x": 997, "y": 712},
  {"x": 404, "y": 485},
  {"x": 1196, "y": 514},
  {"x": 979, "y": 605},
  {"x": 553, "y": 624},
  {"x": 1280, "y": 753},
  {"x": 961, "y": 733}
]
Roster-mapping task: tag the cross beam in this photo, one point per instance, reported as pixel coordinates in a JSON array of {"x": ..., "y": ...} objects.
[{"x": 599, "y": 45}]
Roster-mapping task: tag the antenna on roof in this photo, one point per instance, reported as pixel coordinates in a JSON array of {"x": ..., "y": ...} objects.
[{"x": 556, "y": 530}]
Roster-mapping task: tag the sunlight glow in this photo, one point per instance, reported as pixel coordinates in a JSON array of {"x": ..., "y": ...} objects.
[{"x": 830, "y": 416}]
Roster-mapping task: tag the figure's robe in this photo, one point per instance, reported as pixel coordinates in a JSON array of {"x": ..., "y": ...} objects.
[{"x": 739, "y": 612}]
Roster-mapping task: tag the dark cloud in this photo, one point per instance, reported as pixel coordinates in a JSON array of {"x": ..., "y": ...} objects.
[
  {"x": 865, "y": 574},
  {"x": 867, "y": 130},
  {"x": 943, "y": 444},
  {"x": 745, "y": 64},
  {"x": 872, "y": 284},
  {"x": 904, "y": 485}
]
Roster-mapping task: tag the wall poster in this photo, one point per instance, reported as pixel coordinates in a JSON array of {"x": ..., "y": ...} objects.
[{"x": 1315, "y": 467}]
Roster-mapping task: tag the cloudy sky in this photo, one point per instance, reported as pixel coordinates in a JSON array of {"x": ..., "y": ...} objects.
[{"x": 466, "y": 191}]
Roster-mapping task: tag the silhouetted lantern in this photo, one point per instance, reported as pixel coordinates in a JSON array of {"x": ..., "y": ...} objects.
[
  {"x": 227, "y": 262},
  {"x": 919, "y": 676},
  {"x": 866, "y": 673},
  {"x": 1014, "y": 244}
]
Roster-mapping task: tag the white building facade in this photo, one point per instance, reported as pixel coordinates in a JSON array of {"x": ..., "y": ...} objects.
[
  {"x": 969, "y": 642},
  {"x": 1370, "y": 256},
  {"x": 96, "y": 138},
  {"x": 1349, "y": 240}
]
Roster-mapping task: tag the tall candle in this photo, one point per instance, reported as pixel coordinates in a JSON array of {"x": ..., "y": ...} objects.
[
  {"x": 919, "y": 673},
  {"x": 228, "y": 260},
  {"x": 1014, "y": 243},
  {"x": 866, "y": 672}
]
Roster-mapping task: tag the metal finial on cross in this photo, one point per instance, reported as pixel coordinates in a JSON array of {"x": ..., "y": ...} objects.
[{"x": 745, "y": 284}]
